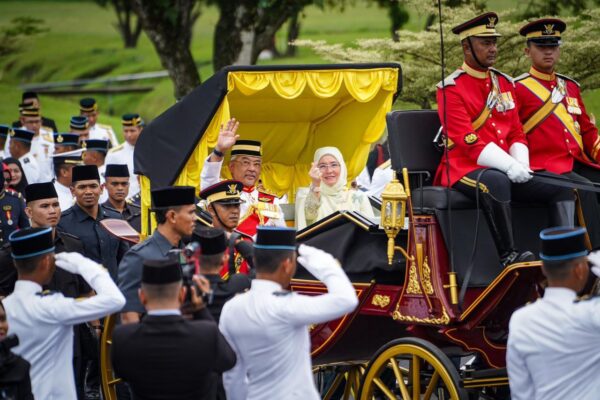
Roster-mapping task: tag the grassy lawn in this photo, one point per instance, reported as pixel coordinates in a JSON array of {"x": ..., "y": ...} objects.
[{"x": 81, "y": 42}]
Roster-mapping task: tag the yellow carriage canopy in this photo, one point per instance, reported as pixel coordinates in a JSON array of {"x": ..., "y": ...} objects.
[{"x": 292, "y": 110}]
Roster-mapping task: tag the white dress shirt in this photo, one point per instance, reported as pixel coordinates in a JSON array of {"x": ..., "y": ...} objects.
[
  {"x": 44, "y": 325},
  {"x": 123, "y": 154},
  {"x": 211, "y": 175},
  {"x": 65, "y": 198},
  {"x": 31, "y": 168},
  {"x": 104, "y": 132},
  {"x": 268, "y": 329},
  {"x": 374, "y": 185},
  {"x": 554, "y": 348}
]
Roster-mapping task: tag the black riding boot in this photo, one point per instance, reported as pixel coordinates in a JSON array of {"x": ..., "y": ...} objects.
[
  {"x": 499, "y": 218},
  {"x": 562, "y": 213}
]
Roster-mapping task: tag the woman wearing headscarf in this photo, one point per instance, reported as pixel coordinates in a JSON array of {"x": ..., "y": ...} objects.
[
  {"x": 328, "y": 191},
  {"x": 18, "y": 180}
]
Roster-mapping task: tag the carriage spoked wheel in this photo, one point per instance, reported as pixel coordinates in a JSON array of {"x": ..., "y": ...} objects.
[
  {"x": 411, "y": 369},
  {"x": 339, "y": 381},
  {"x": 107, "y": 376}
]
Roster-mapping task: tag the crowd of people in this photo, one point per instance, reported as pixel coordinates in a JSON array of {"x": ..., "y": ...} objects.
[{"x": 202, "y": 305}]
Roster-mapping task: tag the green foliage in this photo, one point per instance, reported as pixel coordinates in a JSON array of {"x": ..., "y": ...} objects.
[
  {"x": 18, "y": 28},
  {"x": 419, "y": 52},
  {"x": 553, "y": 7}
]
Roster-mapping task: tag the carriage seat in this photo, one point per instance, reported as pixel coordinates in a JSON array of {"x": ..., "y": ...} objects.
[{"x": 427, "y": 199}]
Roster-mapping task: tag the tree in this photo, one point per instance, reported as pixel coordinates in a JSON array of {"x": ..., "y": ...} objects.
[
  {"x": 246, "y": 27},
  {"x": 536, "y": 8},
  {"x": 397, "y": 14},
  {"x": 168, "y": 24},
  {"x": 128, "y": 29},
  {"x": 419, "y": 52},
  {"x": 19, "y": 28}
]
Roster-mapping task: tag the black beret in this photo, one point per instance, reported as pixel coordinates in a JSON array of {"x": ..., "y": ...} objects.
[
  {"x": 172, "y": 196},
  {"x": 563, "y": 243},
  {"x": 85, "y": 173},
  {"x": 224, "y": 192},
  {"x": 31, "y": 242},
  {"x": 116, "y": 171},
  {"x": 212, "y": 240},
  {"x": 161, "y": 272},
  {"x": 275, "y": 238},
  {"x": 38, "y": 191}
]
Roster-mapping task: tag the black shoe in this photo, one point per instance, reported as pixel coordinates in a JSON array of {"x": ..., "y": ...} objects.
[{"x": 515, "y": 257}]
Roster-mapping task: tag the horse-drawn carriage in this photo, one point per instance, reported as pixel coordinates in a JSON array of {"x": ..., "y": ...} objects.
[{"x": 431, "y": 292}]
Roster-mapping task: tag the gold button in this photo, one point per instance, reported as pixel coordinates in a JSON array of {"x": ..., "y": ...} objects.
[
  {"x": 567, "y": 140},
  {"x": 499, "y": 131},
  {"x": 566, "y": 131},
  {"x": 493, "y": 124},
  {"x": 501, "y": 141}
]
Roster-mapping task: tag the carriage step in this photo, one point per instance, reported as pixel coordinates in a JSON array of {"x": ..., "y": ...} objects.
[{"x": 484, "y": 378}]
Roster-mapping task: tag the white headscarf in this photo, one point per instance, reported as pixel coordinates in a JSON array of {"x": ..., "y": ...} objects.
[{"x": 342, "y": 179}]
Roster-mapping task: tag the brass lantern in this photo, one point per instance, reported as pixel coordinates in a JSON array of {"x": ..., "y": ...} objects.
[{"x": 393, "y": 211}]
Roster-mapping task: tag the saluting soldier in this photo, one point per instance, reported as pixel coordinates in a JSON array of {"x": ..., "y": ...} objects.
[
  {"x": 174, "y": 209},
  {"x": 487, "y": 150},
  {"x": 245, "y": 165},
  {"x": 82, "y": 220},
  {"x": 44, "y": 321},
  {"x": 65, "y": 142},
  {"x": 88, "y": 107},
  {"x": 123, "y": 153},
  {"x": 561, "y": 137},
  {"x": 20, "y": 148},
  {"x": 80, "y": 126},
  {"x": 117, "y": 187},
  {"x": 223, "y": 201},
  {"x": 31, "y": 99},
  {"x": 552, "y": 351}
]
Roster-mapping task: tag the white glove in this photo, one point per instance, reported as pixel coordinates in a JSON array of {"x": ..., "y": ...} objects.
[
  {"x": 75, "y": 263},
  {"x": 494, "y": 157},
  {"x": 316, "y": 261},
  {"x": 520, "y": 152},
  {"x": 594, "y": 258}
]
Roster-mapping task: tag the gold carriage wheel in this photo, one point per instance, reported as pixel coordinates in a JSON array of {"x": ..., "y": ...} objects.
[
  {"x": 347, "y": 377},
  {"x": 109, "y": 381},
  {"x": 418, "y": 370}
]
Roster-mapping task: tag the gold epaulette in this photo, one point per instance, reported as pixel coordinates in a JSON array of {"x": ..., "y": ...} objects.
[{"x": 117, "y": 148}]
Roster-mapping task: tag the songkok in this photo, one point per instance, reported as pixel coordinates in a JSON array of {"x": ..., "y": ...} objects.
[
  {"x": 39, "y": 191},
  {"x": 116, "y": 171},
  {"x": 85, "y": 173},
  {"x": 31, "y": 242},
  {"x": 172, "y": 196},
  {"x": 275, "y": 238},
  {"x": 563, "y": 243},
  {"x": 22, "y": 135},
  {"x": 5, "y": 130},
  {"x": 224, "y": 192},
  {"x": 161, "y": 272},
  {"x": 212, "y": 241},
  {"x": 246, "y": 148},
  {"x": 131, "y": 120},
  {"x": 544, "y": 32},
  {"x": 66, "y": 139},
  {"x": 27, "y": 110},
  {"x": 481, "y": 26},
  {"x": 95, "y": 145},
  {"x": 88, "y": 105},
  {"x": 79, "y": 122}
]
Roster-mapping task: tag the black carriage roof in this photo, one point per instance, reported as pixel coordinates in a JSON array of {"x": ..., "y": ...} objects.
[{"x": 167, "y": 143}]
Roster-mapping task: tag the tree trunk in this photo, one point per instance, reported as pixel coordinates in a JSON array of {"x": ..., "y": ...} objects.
[
  {"x": 292, "y": 35},
  {"x": 227, "y": 43},
  {"x": 168, "y": 25},
  {"x": 124, "y": 24}
]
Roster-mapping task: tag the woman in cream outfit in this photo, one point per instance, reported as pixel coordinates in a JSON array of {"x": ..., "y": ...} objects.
[{"x": 328, "y": 191}]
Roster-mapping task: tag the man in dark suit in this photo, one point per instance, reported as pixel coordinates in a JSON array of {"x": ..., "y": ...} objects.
[{"x": 165, "y": 356}]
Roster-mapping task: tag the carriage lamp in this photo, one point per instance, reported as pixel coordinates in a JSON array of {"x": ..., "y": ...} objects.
[{"x": 393, "y": 210}]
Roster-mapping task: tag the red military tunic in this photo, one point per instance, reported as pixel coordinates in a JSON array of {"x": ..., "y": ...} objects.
[
  {"x": 467, "y": 91},
  {"x": 567, "y": 134}
]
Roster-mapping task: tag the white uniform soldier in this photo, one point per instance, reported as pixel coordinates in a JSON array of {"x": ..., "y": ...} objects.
[
  {"x": 63, "y": 169},
  {"x": 20, "y": 148},
  {"x": 89, "y": 108},
  {"x": 123, "y": 153},
  {"x": 245, "y": 166},
  {"x": 268, "y": 327},
  {"x": 44, "y": 321},
  {"x": 553, "y": 343}
]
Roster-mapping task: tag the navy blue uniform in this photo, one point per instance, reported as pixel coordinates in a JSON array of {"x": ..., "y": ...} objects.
[
  {"x": 98, "y": 244},
  {"x": 12, "y": 215},
  {"x": 132, "y": 213}
]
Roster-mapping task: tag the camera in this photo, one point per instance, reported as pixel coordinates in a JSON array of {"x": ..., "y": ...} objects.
[
  {"x": 189, "y": 259},
  {"x": 6, "y": 355}
]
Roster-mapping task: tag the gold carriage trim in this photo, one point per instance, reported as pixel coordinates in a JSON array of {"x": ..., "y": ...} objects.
[
  {"x": 443, "y": 320},
  {"x": 413, "y": 282},
  {"x": 426, "y": 278},
  {"x": 380, "y": 300}
]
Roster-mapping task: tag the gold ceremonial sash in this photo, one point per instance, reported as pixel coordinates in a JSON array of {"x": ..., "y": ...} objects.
[
  {"x": 483, "y": 116},
  {"x": 559, "y": 111}
]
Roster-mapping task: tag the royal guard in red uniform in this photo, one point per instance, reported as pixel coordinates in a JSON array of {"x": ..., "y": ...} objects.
[
  {"x": 245, "y": 165},
  {"x": 561, "y": 137},
  {"x": 487, "y": 148},
  {"x": 222, "y": 201}
]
